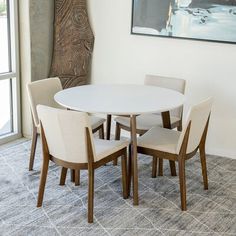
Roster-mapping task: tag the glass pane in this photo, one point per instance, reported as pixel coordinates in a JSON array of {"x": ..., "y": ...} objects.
[
  {"x": 5, "y": 107},
  {"x": 4, "y": 40}
]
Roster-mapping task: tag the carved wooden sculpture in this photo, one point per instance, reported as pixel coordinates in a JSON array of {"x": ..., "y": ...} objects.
[{"x": 73, "y": 43}]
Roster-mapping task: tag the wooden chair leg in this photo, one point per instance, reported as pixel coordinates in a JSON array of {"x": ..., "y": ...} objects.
[
  {"x": 154, "y": 167},
  {"x": 124, "y": 175},
  {"x": 129, "y": 176},
  {"x": 72, "y": 175},
  {"x": 204, "y": 166},
  {"x": 108, "y": 127},
  {"x": 117, "y": 137},
  {"x": 33, "y": 148},
  {"x": 179, "y": 128},
  {"x": 115, "y": 162},
  {"x": 172, "y": 168},
  {"x": 42, "y": 183},
  {"x": 101, "y": 132},
  {"x": 117, "y": 133},
  {"x": 63, "y": 176},
  {"x": 182, "y": 183},
  {"x": 160, "y": 167},
  {"x": 77, "y": 177},
  {"x": 90, "y": 194}
]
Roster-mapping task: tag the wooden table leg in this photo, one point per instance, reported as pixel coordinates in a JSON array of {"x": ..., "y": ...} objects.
[
  {"x": 172, "y": 168},
  {"x": 108, "y": 128},
  {"x": 129, "y": 169},
  {"x": 167, "y": 124},
  {"x": 134, "y": 159},
  {"x": 72, "y": 175}
]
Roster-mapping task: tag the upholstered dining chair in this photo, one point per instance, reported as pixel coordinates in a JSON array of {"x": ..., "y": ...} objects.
[
  {"x": 42, "y": 92},
  {"x": 171, "y": 119},
  {"x": 67, "y": 140},
  {"x": 180, "y": 146}
]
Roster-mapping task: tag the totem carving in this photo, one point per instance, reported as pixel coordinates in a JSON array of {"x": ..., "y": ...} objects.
[{"x": 73, "y": 43}]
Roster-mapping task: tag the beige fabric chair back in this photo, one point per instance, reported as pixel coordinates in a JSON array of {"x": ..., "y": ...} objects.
[
  {"x": 42, "y": 92},
  {"x": 65, "y": 132},
  {"x": 198, "y": 115},
  {"x": 169, "y": 83}
]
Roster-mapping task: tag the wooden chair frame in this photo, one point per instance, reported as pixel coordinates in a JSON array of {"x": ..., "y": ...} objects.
[
  {"x": 90, "y": 166},
  {"x": 166, "y": 124},
  {"x": 181, "y": 158}
]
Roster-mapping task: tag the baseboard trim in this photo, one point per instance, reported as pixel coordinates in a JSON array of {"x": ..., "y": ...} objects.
[{"x": 221, "y": 152}]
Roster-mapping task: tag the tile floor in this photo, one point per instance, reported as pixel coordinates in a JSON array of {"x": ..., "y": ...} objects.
[{"x": 211, "y": 212}]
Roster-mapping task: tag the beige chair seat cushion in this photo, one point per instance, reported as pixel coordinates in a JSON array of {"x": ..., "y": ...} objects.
[
  {"x": 161, "y": 139},
  {"x": 104, "y": 148},
  {"x": 96, "y": 121},
  {"x": 145, "y": 122}
]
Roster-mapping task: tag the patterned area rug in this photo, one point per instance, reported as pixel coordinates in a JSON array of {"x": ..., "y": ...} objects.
[{"x": 64, "y": 210}]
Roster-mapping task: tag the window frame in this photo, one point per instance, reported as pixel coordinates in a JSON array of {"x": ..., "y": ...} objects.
[{"x": 13, "y": 74}]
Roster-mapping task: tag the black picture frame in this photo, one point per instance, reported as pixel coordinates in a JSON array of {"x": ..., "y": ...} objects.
[{"x": 176, "y": 37}]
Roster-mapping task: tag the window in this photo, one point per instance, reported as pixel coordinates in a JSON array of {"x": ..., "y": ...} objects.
[
  {"x": 9, "y": 79},
  {"x": 4, "y": 39}
]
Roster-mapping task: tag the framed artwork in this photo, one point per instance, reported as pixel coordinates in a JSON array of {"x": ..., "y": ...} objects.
[{"x": 211, "y": 20}]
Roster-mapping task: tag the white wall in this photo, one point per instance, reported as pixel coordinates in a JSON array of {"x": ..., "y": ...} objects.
[{"x": 208, "y": 68}]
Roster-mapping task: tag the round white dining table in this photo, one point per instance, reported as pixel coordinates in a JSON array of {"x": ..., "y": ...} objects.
[{"x": 121, "y": 99}]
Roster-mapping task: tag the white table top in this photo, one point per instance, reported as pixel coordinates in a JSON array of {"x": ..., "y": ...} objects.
[{"x": 119, "y": 99}]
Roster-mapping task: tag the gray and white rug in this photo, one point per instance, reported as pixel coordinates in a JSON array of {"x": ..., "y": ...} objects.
[{"x": 64, "y": 210}]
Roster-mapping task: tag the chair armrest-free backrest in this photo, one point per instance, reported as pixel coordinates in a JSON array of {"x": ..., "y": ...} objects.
[
  {"x": 65, "y": 133},
  {"x": 42, "y": 92},
  {"x": 198, "y": 115},
  {"x": 169, "y": 83}
]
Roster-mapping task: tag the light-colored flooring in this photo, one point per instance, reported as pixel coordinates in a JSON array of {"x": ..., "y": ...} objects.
[{"x": 211, "y": 212}]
